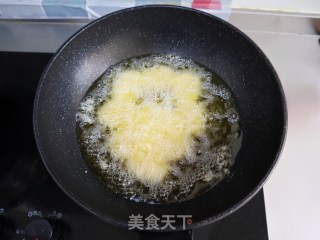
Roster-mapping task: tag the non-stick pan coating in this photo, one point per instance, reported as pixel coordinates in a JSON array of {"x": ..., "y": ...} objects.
[{"x": 160, "y": 29}]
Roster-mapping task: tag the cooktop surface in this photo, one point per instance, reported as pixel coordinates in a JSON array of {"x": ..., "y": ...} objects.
[{"x": 32, "y": 206}]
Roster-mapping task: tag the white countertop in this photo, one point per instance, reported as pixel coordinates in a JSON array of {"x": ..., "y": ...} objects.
[
  {"x": 292, "y": 193},
  {"x": 288, "y": 6}
]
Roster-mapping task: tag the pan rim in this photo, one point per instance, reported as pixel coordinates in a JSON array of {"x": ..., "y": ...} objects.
[{"x": 202, "y": 222}]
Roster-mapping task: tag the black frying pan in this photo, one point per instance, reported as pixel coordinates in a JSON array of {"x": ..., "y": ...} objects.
[{"x": 160, "y": 29}]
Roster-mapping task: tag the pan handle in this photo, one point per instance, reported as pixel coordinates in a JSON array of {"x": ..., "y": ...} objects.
[{"x": 178, "y": 235}]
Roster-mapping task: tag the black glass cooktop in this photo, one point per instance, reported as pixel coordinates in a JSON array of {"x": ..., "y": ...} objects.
[{"x": 33, "y": 207}]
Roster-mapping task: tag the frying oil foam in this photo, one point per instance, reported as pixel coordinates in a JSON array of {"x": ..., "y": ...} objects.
[{"x": 202, "y": 155}]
